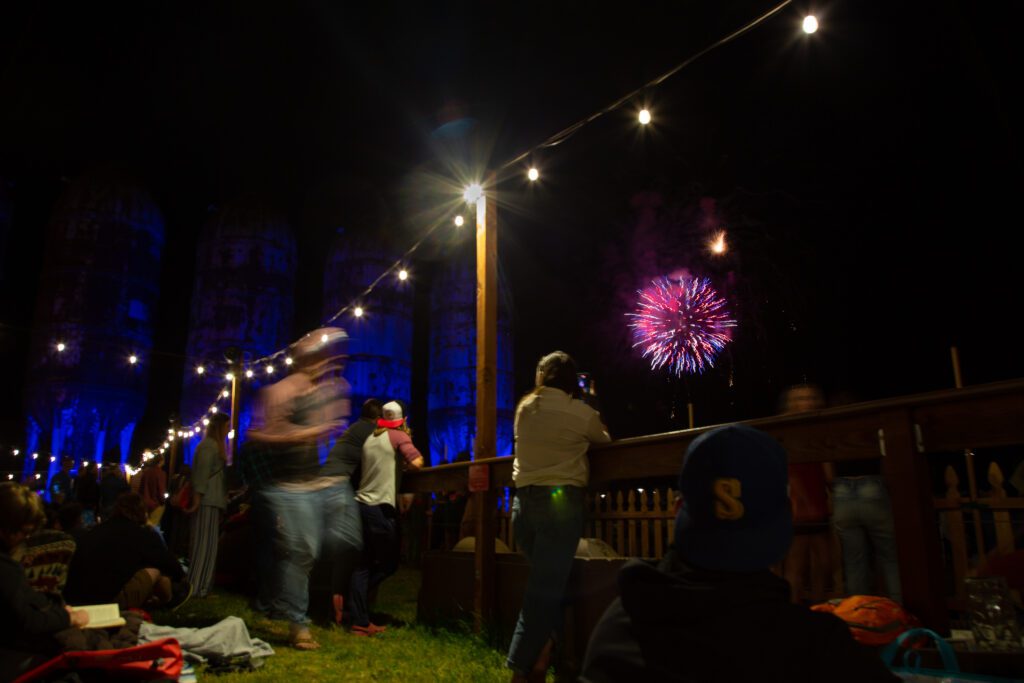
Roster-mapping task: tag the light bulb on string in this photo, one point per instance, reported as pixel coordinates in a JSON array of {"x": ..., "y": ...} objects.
[
  {"x": 10, "y": 476},
  {"x": 403, "y": 275},
  {"x": 230, "y": 377},
  {"x": 133, "y": 359},
  {"x": 17, "y": 452},
  {"x": 270, "y": 369},
  {"x": 213, "y": 409},
  {"x": 459, "y": 220},
  {"x": 200, "y": 370},
  {"x": 644, "y": 117},
  {"x": 288, "y": 360},
  {"x": 717, "y": 245},
  {"x": 35, "y": 456},
  {"x": 53, "y": 459},
  {"x": 473, "y": 193},
  {"x": 533, "y": 174},
  {"x": 358, "y": 312},
  {"x": 810, "y": 24},
  {"x": 206, "y": 422},
  {"x": 225, "y": 394},
  {"x": 60, "y": 347},
  {"x": 248, "y": 374}
]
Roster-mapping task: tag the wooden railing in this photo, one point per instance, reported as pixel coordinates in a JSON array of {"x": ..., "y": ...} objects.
[{"x": 902, "y": 432}]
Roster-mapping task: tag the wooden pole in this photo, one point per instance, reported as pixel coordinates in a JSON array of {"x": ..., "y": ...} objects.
[
  {"x": 236, "y": 405},
  {"x": 486, "y": 399},
  {"x": 972, "y": 479},
  {"x": 689, "y": 412},
  {"x": 172, "y": 460}
]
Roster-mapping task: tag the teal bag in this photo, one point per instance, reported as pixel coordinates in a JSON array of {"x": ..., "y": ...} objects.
[{"x": 910, "y": 668}]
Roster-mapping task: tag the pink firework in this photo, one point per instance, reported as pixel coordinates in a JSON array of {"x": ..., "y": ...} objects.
[{"x": 681, "y": 324}]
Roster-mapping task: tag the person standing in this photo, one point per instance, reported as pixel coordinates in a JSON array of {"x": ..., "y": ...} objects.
[
  {"x": 60, "y": 483},
  {"x": 87, "y": 493},
  {"x": 553, "y": 432},
  {"x": 209, "y": 499},
  {"x": 386, "y": 454},
  {"x": 112, "y": 485},
  {"x": 153, "y": 489}
]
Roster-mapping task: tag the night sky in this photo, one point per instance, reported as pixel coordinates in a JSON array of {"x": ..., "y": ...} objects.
[{"x": 868, "y": 176}]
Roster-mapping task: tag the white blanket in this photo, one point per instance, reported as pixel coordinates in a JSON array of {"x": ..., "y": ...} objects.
[{"x": 227, "y": 638}]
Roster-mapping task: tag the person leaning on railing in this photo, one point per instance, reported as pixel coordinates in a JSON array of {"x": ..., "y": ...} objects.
[{"x": 553, "y": 432}]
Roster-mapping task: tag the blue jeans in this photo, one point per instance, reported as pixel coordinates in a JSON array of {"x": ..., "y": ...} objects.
[
  {"x": 548, "y": 523},
  {"x": 379, "y": 561},
  {"x": 862, "y": 515},
  {"x": 308, "y": 522}
]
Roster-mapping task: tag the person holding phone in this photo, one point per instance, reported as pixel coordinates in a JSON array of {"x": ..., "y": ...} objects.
[{"x": 553, "y": 432}]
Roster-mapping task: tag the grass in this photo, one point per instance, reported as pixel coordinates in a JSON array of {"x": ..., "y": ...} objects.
[{"x": 408, "y": 652}]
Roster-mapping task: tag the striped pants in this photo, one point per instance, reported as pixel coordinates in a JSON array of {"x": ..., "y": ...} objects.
[{"x": 203, "y": 555}]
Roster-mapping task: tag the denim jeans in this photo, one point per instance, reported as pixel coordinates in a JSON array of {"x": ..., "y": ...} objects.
[
  {"x": 308, "y": 522},
  {"x": 862, "y": 515},
  {"x": 380, "y": 557},
  {"x": 548, "y": 523}
]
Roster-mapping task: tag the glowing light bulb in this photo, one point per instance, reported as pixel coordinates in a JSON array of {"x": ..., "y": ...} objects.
[
  {"x": 133, "y": 359},
  {"x": 10, "y": 476},
  {"x": 403, "y": 275},
  {"x": 225, "y": 393},
  {"x": 213, "y": 409},
  {"x": 473, "y": 193},
  {"x": 248, "y": 374},
  {"x": 644, "y": 117},
  {"x": 17, "y": 452},
  {"x": 270, "y": 369},
  {"x": 60, "y": 347},
  {"x": 85, "y": 463},
  {"x": 35, "y": 456},
  {"x": 53, "y": 459},
  {"x": 170, "y": 431},
  {"x": 230, "y": 377},
  {"x": 37, "y": 476},
  {"x": 533, "y": 174},
  {"x": 810, "y": 24},
  {"x": 200, "y": 370},
  {"x": 231, "y": 434},
  {"x": 459, "y": 220},
  {"x": 288, "y": 361},
  {"x": 171, "y": 437},
  {"x": 358, "y": 312},
  {"x": 206, "y": 422}
]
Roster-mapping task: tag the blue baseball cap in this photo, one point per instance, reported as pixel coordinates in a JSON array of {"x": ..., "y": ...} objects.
[{"x": 736, "y": 514}]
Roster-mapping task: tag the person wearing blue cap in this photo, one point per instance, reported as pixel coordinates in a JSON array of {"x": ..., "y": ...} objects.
[{"x": 711, "y": 610}]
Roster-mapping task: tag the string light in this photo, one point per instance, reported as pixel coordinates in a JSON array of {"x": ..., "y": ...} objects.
[
  {"x": 200, "y": 370},
  {"x": 248, "y": 374},
  {"x": 206, "y": 422},
  {"x": 403, "y": 275},
  {"x": 717, "y": 244},
  {"x": 230, "y": 377},
  {"x": 270, "y": 369},
  {"x": 10, "y": 476},
  {"x": 133, "y": 359},
  {"x": 35, "y": 456},
  {"x": 810, "y": 24},
  {"x": 85, "y": 463},
  {"x": 171, "y": 437},
  {"x": 474, "y": 192},
  {"x": 53, "y": 458},
  {"x": 231, "y": 434},
  {"x": 213, "y": 409},
  {"x": 323, "y": 338},
  {"x": 17, "y": 452},
  {"x": 37, "y": 476},
  {"x": 225, "y": 393},
  {"x": 170, "y": 431},
  {"x": 60, "y": 347}
]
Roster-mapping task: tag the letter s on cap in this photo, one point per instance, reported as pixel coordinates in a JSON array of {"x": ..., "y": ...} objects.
[{"x": 727, "y": 499}]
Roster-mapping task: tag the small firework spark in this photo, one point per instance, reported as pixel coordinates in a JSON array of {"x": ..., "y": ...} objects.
[{"x": 681, "y": 324}]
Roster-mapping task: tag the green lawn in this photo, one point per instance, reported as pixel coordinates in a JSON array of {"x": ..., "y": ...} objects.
[{"x": 403, "y": 653}]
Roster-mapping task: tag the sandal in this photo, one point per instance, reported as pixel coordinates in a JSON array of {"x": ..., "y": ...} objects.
[
  {"x": 368, "y": 630},
  {"x": 302, "y": 639}
]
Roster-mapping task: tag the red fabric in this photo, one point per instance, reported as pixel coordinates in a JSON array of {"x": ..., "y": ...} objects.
[
  {"x": 807, "y": 492},
  {"x": 158, "y": 660},
  {"x": 872, "y": 620},
  {"x": 390, "y": 424},
  {"x": 153, "y": 487}
]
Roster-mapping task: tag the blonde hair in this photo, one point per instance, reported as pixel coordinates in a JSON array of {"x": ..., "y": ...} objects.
[{"x": 19, "y": 507}]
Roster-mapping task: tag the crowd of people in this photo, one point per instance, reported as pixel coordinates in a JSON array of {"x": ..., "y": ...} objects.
[{"x": 744, "y": 517}]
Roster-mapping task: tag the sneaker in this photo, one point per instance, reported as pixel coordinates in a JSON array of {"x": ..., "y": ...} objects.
[
  {"x": 180, "y": 594},
  {"x": 368, "y": 630},
  {"x": 336, "y": 603}
]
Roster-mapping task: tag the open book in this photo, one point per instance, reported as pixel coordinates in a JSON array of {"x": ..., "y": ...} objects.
[{"x": 103, "y": 616}]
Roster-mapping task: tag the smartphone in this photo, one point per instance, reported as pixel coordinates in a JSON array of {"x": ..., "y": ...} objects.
[{"x": 586, "y": 384}]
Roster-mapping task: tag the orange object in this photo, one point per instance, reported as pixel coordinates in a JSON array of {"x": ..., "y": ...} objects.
[{"x": 872, "y": 620}]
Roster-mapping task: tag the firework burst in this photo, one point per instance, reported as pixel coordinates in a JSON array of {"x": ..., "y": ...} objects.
[{"x": 681, "y": 324}]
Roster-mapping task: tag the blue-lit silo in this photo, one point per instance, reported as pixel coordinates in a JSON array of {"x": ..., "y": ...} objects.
[
  {"x": 97, "y": 299},
  {"x": 380, "y": 341},
  {"x": 244, "y": 297},
  {"x": 452, "y": 392}
]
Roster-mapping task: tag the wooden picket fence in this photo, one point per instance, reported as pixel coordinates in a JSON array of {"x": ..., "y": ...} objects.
[{"x": 974, "y": 526}]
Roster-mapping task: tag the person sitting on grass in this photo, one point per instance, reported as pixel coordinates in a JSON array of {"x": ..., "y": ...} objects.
[
  {"x": 711, "y": 610},
  {"x": 28, "y": 619},
  {"x": 124, "y": 560}
]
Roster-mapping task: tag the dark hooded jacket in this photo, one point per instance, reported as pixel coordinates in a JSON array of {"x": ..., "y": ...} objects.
[{"x": 677, "y": 623}]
